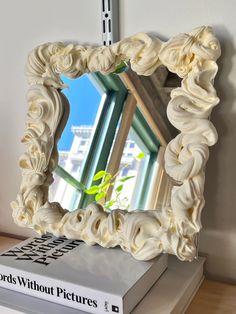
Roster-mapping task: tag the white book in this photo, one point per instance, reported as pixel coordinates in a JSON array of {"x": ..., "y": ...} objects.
[
  {"x": 68, "y": 272},
  {"x": 172, "y": 293}
]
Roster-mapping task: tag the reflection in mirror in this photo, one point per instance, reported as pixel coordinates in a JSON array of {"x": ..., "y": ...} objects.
[
  {"x": 133, "y": 168},
  {"x": 104, "y": 123},
  {"x": 140, "y": 149},
  {"x": 86, "y": 100}
]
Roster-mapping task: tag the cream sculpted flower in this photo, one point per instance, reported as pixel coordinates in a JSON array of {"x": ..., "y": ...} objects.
[
  {"x": 178, "y": 54},
  {"x": 101, "y": 59},
  {"x": 62, "y": 61}
]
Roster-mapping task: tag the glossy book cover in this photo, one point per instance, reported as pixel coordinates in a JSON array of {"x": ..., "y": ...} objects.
[{"x": 68, "y": 272}]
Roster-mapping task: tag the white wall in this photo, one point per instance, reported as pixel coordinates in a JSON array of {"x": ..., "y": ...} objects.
[
  {"x": 24, "y": 25},
  {"x": 167, "y": 18},
  {"x": 27, "y": 23}
]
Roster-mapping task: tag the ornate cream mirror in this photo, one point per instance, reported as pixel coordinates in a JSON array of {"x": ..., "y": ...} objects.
[{"x": 173, "y": 228}]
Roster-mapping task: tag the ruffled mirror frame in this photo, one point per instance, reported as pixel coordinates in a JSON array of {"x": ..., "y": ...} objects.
[{"x": 145, "y": 234}]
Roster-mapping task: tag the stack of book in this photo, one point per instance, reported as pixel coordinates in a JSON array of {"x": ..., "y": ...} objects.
[{"x": 68, "y": 272}]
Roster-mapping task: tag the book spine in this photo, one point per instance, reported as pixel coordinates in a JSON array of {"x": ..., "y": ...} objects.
[{"x": 64, "y": 293}]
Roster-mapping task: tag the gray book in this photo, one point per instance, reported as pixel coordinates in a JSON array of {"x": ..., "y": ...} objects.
[{"x": 68, "y": 272}]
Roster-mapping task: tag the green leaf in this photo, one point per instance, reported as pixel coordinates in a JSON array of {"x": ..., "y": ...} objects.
[
  {"x": 107, "y": 177},
  {"x": 126, "y": 178},
  {"x": 140, "y": 155},
  {"x": 104, "y": 185},
  {"x": 110, "y": 203},
  {"x": 119, "y": 188},
  {"x": 99, "y": 175},
  {"x": 92, "y": 190},
  {"x": 99, "y": 196},
  {"x": 123, "y": 66}
]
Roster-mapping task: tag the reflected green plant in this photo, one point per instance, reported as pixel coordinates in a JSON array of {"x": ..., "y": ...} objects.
[{"x": 107, "y": 181}]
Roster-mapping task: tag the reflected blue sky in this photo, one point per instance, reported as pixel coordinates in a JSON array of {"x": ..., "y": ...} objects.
[{"x": 84, "y": 101}]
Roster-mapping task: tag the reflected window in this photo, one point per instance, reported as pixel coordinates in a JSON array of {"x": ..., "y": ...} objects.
[
  {"x": 85, "y": 108},
  {"x": 96, "y": 103},
  {"x": 75, "y": 167},
  {"x": 131, "y": 166},
  {"x": 86, "y": 103},
  {"x": 140, "y": 142}
]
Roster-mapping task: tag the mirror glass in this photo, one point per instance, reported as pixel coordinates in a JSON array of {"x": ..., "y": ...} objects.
[
  {"x": 86, "y": 101},
  {"x": 133, "y": 168},
  {"x": 92, "y": 140}
]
